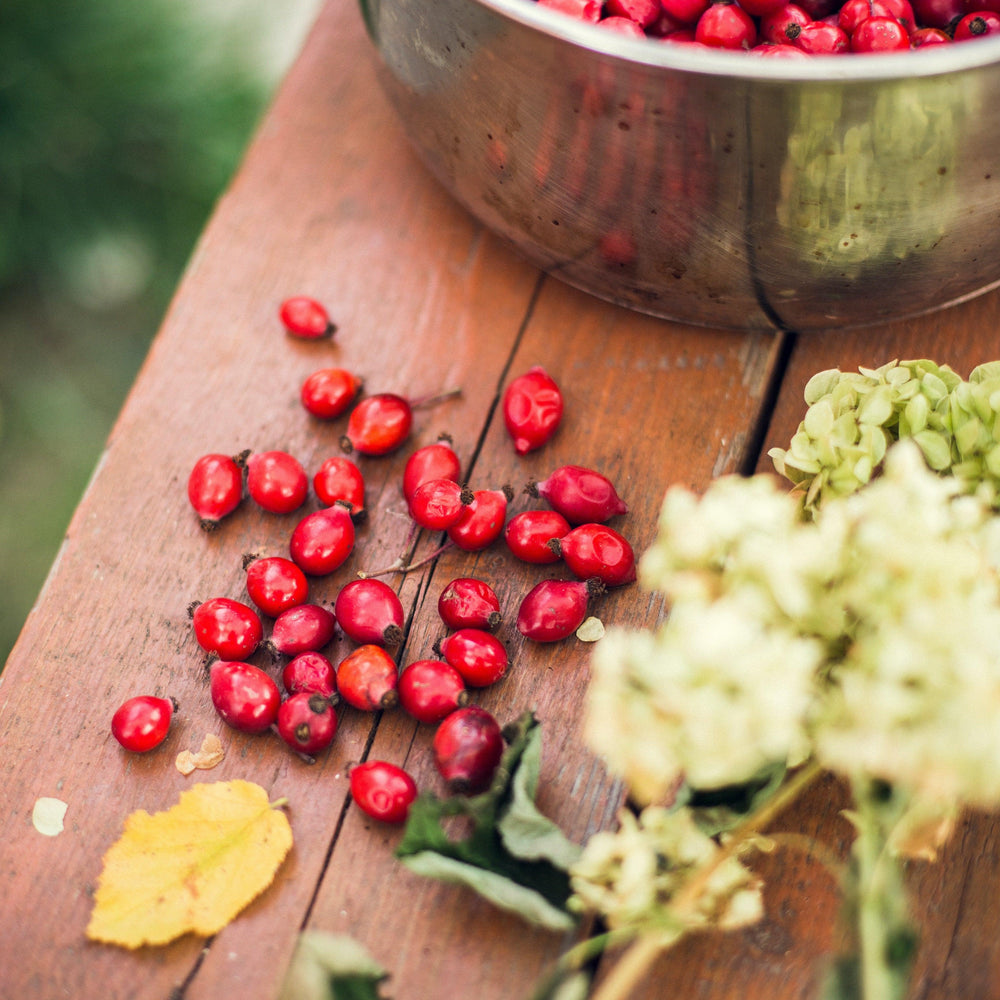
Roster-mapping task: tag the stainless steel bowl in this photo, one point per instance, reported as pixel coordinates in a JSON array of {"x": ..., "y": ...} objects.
[{"x": 718, "y": 189}]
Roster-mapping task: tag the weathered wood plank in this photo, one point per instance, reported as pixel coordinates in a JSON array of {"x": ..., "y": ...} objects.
[
  {"x": 329, "y": 202},
  {"x": 649, "y": 404}
]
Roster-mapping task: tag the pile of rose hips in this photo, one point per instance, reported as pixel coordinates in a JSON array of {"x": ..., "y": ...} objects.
[
  {"x": 302, "y": 708},
  {"x": 783, "y": 29}
]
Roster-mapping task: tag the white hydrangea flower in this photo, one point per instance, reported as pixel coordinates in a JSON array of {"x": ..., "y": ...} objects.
[
  {"x": 916, "y": 698},
  {"x": 641, "y": 876},
  {"x": 714, "y": 696},
  {"x": 869, "y": 636}
]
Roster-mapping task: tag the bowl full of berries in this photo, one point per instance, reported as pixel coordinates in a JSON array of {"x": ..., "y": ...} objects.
[{"x": 743, "y": 164}]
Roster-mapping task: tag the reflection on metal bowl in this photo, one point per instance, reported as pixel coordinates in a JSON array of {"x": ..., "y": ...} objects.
[{"x": 707, "y": 187}]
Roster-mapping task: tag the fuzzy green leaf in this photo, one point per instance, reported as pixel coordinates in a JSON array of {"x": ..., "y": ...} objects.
[
  {"x": 512, "y": 856},
  {"x": 331, "y": 967}
]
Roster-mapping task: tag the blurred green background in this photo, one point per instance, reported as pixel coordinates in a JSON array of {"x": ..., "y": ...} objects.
[{"x": 120, "y": 125}]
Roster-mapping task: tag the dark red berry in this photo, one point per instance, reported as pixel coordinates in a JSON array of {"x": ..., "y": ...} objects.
[
  {"x": 595, "y": 550},
  {"x": 978, "y": 24},
  {"x": 853, "y": 12},
  {"x": 479, "y": 656},
  {"x": 215, "y": 487},
  {"x": 328, "y": 392},
  {"x": 469, "y": 603},
  {"x": 244, "y": 696},
  {"x": 276, "y": 481},
  {"x": 381, "y": 423},
  {"x": 726, "y": 25},
  {"x": 302, "y": 316},
  {"x": 780, "y": 26},
  {"x": 367, "y": 678},
  {"x": 468, "y": 746},
  {"x": 929, "y": 36},
  {"x": 378, "y": 425},
  {"x": 382, "y": 790},
  {"x": 685, "y": 11},
  {"x": 938, "y": 13},
  {"x": 823, "y": 39},
  {"x": 532, "y": 408},
  {"x": 879, "y": 34},
  {"x": 226, "y": 628},
  {"x": 528, "y": 535},
  {"x": 142, "y": 723},
  {"x": 311, "y": 672},
  {"x": 370, "y": 611},
  {"x": 431, "y": 689},
  {"x": 322, "y": 541},
  {"x": 275, "y": 584},
  {"x": 438, "y": 504},
  {"x": 432, "y": 461},
  {"x": 580, "y": 494},
  {"x": 338, "y": 478},
  {"x": 307, "y": 722},
  {"x": 555, "y": 609},
  {"x": 757, "y": 8},
  {"x": 306, "y": 628},
  {"x": 482, "y": 521}
]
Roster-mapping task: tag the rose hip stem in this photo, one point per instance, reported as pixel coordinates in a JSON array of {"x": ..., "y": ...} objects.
[{"x": 435, "y": 398}]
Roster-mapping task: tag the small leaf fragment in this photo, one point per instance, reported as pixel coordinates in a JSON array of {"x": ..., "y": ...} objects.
[
  {"x": 590, "y": 630},
  {"x": 210, "y": 755},
  {"x": 47, "y": 816},
  {"x": 331, "y": 967},
  {"x": 191, "y": 868}
]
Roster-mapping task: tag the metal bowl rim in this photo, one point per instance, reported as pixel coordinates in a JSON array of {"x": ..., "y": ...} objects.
[{"x": 938, "y": 60}]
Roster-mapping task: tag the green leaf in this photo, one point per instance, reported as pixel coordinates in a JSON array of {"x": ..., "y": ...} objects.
[
  {"x": 512, "y": 856},
  {"x": 525, "y": 832},
  {"x": 331, "y": 967},
  {"x": 718, "y": 810}
]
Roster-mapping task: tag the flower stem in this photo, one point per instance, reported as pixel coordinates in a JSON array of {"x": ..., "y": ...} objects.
[{"x": 643, "y": 952}]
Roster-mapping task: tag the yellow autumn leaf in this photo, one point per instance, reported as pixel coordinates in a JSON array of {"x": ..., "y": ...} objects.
[{"x": 190, "y": 868}]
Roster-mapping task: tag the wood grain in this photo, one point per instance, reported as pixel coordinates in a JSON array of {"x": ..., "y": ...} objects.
[{"x": 331, "y": 202}]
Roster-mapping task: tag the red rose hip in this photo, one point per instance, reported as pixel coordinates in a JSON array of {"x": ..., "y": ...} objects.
[
  {"x": 226, "y": 628},
  {"x": 482, "y": 521},
  {"x": 302, "y": 316},
  {"x": 431, "y": 689},
  {"x": 328, "y": 392},
  {"x": 275, "y": 584},
  {"x": 322, "y": 541},
  {"x": 467, "y": 602},
  {"x": 382, "y": 790},
  {"x": 306, "y": 628},
  {"x": 368, "y": 679},
  {"x": 467, "y": 748},
  {"x": 432, "y": 461},
  {"x": 307, "y": 722},
  {"x": 595, "y": 550},
  {"x": 311, "y": 672},
  {"x": 479, "y": 656},
  {"x": 215, "y": 487},
  {"x": 529, "y": 533},
  {"x": 580, "y": 494},
  {"x": 141, "y": 724},
  {"x": 378, "y": 425},
  {"x": 276, "y": 481},
  {"x": 370, "y": 611},
  {"x": 554, "y": 609},
  {"x": 245, "y": 697},
  {"x": 533, "y": 404},
  {"x": 338, "y": 478}
]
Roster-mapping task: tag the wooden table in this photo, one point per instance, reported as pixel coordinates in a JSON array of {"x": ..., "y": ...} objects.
[{"x": 330, "y": 201}]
